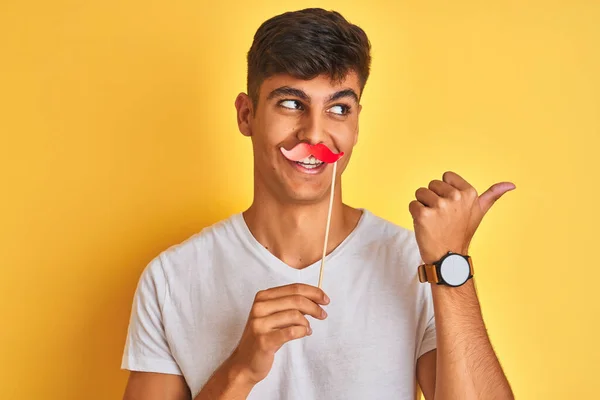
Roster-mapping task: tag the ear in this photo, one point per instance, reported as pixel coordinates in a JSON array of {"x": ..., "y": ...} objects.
[{"x": 243, "y": 105}]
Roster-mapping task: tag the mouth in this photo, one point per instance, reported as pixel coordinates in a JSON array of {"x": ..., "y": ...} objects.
[{"x": 309, "y": 165}]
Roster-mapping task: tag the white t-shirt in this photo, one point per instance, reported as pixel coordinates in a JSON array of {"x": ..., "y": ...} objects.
[{"x": 193, "y": 300}]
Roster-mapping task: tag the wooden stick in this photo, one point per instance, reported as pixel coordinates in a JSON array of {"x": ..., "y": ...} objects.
[{"x": 328, "y": 223}]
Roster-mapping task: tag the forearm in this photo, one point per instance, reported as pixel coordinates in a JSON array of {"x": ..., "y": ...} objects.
[
  {"x": 467, "y": 367},
  {"x": 227, "y": 383}
]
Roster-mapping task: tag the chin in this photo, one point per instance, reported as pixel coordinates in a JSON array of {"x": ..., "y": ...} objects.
[
  {"x": 296, "y": 189},
  {"x": 306, "y": 195}
]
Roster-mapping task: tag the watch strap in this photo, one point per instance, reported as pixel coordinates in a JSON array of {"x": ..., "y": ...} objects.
[{"x": 428, "y": 273}]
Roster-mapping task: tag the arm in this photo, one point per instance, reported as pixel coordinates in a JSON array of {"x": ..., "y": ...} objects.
[
  {"x": 228, "y": 382},
  {"x": 276, "y": 317},
  {"x": 146, "y": 347},
  {"x": 464, "y": 366},
  {"x": 155, "y": 386}
]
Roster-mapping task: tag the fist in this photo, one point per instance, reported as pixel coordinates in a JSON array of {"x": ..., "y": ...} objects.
[
  {"x": 447, "y": 213},
  {"x": 277, "y": 316}
]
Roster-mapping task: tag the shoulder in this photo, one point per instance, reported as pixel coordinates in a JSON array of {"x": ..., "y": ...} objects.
[{"x": 195, "y": 252}]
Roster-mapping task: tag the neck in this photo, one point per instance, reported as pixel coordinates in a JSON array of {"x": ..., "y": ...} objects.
[{"x": 295, "y": 233}]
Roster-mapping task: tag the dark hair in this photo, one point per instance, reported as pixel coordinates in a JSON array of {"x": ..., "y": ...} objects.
[{"x": 305, "y": 44}]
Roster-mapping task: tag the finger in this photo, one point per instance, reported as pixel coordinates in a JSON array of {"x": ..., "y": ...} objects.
[
  {"x": 443, "y": 189},
  {"x": 418, "y": 210},
  {"x": 284, "y": 319},
  {"x": 489, "y": 197},
  {"x": 294, "y": 302},
  {"x": 427, "y": 197},
  {"x": 281, "y": 336},
  {"x": 311, "y": 292},
  {"x": 455, "y": 180}
]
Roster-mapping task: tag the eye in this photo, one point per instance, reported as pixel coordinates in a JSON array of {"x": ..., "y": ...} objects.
[
  {"x": 340, "y": 109},
  {"x": 291, "y": 104}
]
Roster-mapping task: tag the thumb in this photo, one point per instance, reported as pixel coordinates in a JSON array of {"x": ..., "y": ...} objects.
[{"x": 489, "y": 197}]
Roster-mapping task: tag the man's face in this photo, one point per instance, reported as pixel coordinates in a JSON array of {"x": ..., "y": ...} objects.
[{"x": 291, "y": 111}]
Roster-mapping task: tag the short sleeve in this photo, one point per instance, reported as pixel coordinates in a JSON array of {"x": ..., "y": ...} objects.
[
  {"x": 428, "y": 339},
  {"x": 146, "y": 347}
]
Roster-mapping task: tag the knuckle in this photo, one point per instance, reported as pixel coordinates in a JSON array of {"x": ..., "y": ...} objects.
[
  {"x": 298, "y": 317},
  {"x": 471, "y": 192},
  {"x": 296, "y": 288},
  {"x": 255, "y": 325},
  {"x": 257, "y": 309},
  {"x": 292, "y": 332},
  {"x": 260, "y": 295},
  {"x": 455, "y": 195},
  {"x": 424, "y": 213},
  {"x": 298, "y": 301}
]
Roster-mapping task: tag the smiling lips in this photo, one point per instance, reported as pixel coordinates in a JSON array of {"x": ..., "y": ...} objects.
[{"x": 319, "y": 151}]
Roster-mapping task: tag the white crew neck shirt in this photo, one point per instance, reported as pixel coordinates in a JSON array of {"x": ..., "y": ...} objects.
[{"x": 193, "y": 300}]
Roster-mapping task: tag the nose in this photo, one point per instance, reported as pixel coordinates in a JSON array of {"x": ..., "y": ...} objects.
[{"x": 313, "y": 129}]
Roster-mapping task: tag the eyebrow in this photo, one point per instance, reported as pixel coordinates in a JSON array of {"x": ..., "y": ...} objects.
[
  {"x": 343, "y": 93},
  {"x": 290, "y": 91}
]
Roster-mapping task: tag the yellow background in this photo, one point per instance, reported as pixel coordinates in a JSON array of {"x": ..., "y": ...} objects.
[{"x": 119, "y": 139}]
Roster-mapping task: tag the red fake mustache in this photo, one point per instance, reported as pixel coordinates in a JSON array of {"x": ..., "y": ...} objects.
[{"x": 319, "y": 151}]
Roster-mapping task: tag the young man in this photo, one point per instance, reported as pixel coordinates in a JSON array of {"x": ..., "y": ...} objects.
[{"x": 233, "y": 312}]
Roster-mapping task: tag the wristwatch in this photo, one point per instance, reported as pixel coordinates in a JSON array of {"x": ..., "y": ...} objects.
[{"x": 452, "y": 269}]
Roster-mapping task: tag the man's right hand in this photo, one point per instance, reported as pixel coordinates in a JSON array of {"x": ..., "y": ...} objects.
[{"x": 277, "y": 317}]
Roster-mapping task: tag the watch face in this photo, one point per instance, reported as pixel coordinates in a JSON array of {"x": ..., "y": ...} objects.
[{"x": 455, "y": 270}]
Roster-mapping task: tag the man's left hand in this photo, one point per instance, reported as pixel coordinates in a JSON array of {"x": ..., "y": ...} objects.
[{"x": 448, "y": 212}]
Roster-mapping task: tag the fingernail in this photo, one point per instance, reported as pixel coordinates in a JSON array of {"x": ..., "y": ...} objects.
[
  {"x": 309, "y": 331},
  {"x": 323, "y": 313},
  {"x": 326, "y": 298}
]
